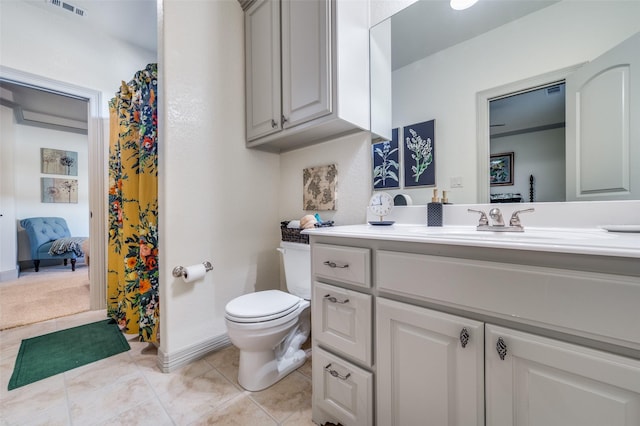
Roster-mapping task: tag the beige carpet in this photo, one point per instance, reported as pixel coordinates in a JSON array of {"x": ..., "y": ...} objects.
[{"x": 53, "y": 292}]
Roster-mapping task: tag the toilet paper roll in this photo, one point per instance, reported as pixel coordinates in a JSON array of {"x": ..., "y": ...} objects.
[{"x": 194, "y": 272}]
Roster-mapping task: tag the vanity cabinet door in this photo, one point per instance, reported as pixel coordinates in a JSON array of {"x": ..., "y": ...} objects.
[
  {"x": 542, "y": 381},
  {"x": 429, "y": 371},
  {"x": 262, "y": 68}
]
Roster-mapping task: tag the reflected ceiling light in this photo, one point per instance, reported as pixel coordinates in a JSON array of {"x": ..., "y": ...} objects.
[{"x": 462, "y": 4}]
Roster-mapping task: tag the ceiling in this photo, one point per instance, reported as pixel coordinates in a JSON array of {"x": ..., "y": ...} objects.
[
  {"x": 131, "y": 21},
  {"x": 429, "y": 26}
]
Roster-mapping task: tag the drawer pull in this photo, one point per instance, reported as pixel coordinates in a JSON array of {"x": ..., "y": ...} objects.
[
  {"x": 501, "y": 347},
  {"x": 464, "y": 337},
  {"x": 332, "y": 299},
  {"x": 331, "y": 264},
  {"x": 334, "y": 373}
]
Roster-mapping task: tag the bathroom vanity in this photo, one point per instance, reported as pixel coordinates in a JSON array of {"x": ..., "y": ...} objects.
[{"x": 415, "y": 325}]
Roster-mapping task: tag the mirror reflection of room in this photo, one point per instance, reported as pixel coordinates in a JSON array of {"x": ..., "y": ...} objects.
[{"x": 495, "y": 49}]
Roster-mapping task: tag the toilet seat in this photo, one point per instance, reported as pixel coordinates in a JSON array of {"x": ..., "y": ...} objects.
[{"x": 261, "y": 306}]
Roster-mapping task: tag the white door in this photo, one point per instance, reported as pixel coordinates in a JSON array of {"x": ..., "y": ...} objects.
[
  {"x": 544, "y": 382},
  {"x": 306, "y": 50},
  {"x": 427, "y": 374},
  {"x": 262, "y": 71},
  {"x": 603, "y": 105}
]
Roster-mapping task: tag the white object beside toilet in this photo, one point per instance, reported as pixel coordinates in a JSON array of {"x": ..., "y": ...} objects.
[{"x": 269, "y": 327}]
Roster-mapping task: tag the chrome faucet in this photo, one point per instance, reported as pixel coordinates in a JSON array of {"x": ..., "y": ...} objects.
[
  {"x": 498, "y": 222},
  {"x": 496, "y": 215}
]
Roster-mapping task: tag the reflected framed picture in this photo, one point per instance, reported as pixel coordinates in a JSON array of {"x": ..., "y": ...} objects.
[{"x": 501, "y": 169}]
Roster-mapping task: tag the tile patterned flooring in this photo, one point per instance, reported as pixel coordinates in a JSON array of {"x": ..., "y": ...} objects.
[{"x": 128, "y": 389}]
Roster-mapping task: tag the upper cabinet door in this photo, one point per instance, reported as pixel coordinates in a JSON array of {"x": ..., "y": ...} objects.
[
  {"x": 306, "y": 50},
  {"x": 602, "y": 98},
  {"x": 262, "y": 55}
]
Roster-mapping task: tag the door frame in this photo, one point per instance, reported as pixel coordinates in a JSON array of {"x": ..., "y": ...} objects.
[{"x": 97, "y": 176}]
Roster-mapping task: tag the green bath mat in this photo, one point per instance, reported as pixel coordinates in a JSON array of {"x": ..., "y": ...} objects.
[{"x": 50, "y": 354}]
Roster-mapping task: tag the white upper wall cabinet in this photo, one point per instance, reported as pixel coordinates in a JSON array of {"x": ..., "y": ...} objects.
[{"x": 307, "y": 72}]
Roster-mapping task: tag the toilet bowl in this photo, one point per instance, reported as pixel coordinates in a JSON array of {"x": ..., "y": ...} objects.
[{"x": 269, "y": 327}]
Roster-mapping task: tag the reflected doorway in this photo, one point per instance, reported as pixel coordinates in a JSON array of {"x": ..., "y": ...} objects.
[{"x": 528, "y": 128}]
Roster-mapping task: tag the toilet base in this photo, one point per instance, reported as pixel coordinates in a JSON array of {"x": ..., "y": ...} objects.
[
  {"x": 270, "y": 371},
  {"x": 260, "y": 369}
]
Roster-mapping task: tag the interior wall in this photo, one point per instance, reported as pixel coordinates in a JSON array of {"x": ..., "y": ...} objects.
[
  {"x": 29, "y": 141},
  {"x": 218, "y": 200},
  {"x": 352, "y": 156},
  {"x": 443, "y": 86},
  {"x": 61, "y": 48},
  {"x": 541, "y": 154}
]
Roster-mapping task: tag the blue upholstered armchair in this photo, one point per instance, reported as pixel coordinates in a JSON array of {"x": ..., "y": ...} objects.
[{"x": 50, "y": 238}]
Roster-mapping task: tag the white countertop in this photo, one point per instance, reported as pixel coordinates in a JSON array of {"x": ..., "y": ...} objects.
[{"x": 589, "y": 241}]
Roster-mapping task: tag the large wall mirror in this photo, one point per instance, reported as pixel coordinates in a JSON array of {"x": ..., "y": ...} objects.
[{"x": 496, "y": 78}]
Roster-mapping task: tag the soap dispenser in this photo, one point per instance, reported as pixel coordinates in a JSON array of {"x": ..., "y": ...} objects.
[{"x": 434, "y": 210}]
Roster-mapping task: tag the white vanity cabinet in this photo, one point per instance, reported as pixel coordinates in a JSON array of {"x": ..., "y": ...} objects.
[
  {"x": 306, "y": 71},
  {"x": 342, "y": 332},
  {"x": 473, "y": 336}
]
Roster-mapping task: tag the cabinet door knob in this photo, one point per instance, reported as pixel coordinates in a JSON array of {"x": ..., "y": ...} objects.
[
  {"x": 464, "y": 337},
  {"x": 501, "y": 347},
  {"x": 334, "y": 373},
  {"x": 331, "y": 264},
  {"x": 273, "y": 124},
  {"x": 332, "y": 299}
]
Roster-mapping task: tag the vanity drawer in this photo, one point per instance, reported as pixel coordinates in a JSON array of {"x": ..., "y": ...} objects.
[
  {"x": 346, "y": 264},
  {"x": 341, "y": 391},
  {"x": 564, "y": 300},
  {"x": 342, "y": 320}
]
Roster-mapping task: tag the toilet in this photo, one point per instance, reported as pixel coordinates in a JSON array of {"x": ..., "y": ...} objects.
[{"x": 269, "y": 327}]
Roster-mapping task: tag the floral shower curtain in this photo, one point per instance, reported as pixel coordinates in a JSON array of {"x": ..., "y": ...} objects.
[{"x": 132, "y": 284}]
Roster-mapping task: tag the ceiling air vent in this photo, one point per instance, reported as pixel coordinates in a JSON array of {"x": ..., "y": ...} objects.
[
  {"x": 68, "y": 7},
  {"x": 553, "y": 90}
]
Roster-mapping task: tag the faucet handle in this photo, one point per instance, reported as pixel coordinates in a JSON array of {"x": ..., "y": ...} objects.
[
  {"x": 483, "y": 217},
  {"x": 515, "y": 219}
]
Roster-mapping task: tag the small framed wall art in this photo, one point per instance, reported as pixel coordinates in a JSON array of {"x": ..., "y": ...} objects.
[
  {"x": 419, "y": 154},
  {"x": 59, "y": 190},
  {"x": 319, "y": 187},
  {"x": 386, "y": 163},
  {"x": 58, "y": 162}
]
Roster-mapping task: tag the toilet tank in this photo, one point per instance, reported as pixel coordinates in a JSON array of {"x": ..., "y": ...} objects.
[{"x": 297, "y": 268}]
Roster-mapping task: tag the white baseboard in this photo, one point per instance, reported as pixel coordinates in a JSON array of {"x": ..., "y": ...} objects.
[
  {"x": 170, "y": 362},
  {"x": 9, "y": 274}
]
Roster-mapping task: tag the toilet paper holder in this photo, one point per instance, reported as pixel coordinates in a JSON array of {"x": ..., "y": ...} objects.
[{"x": 180, "y": 271}]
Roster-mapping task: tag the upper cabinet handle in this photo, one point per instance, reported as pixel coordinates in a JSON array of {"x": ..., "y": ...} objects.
[
  {"x": 283, "y": 120},
  {"x": 331, "y": 264},
  {"x": 273, "y": 124}
]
